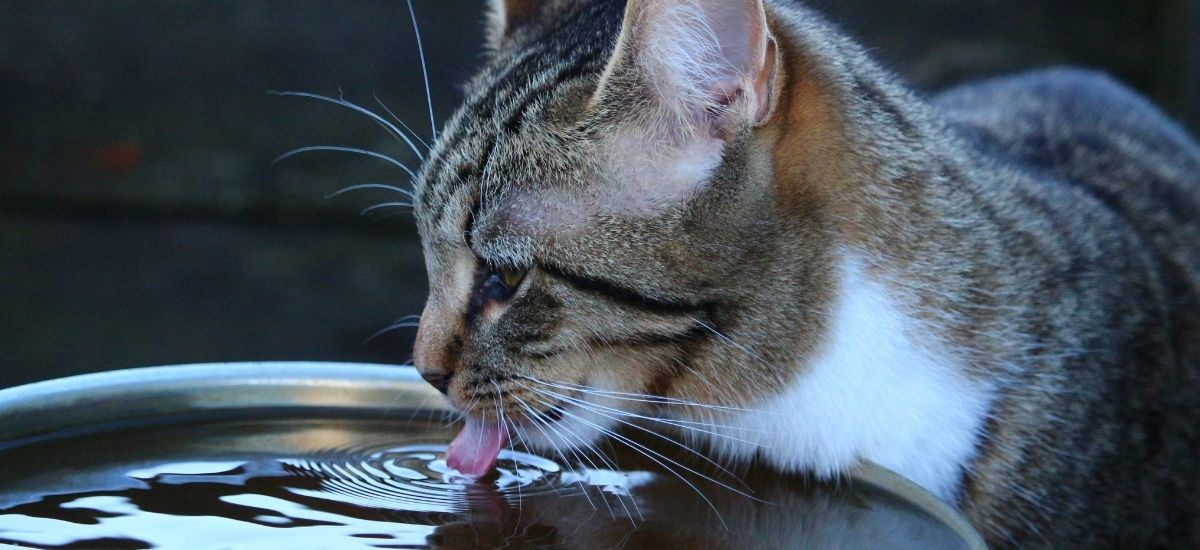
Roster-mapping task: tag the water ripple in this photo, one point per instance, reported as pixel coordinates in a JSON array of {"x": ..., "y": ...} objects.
[{"x": 416, "y": 478}]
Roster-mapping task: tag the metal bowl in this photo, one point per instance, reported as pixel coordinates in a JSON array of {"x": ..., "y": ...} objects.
[{"x": 84, "y": 406}]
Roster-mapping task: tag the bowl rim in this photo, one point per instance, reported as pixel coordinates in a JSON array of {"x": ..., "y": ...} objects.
[{"x": 87, "y": 402}]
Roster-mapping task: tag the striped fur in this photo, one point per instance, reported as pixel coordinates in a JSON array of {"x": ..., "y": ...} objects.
[{"x": 1032, "y": 240}]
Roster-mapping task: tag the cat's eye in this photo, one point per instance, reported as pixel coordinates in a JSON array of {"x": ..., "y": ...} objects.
[
  {"x": 500, "y": 282},
  {"x": 511, "y": 276}
]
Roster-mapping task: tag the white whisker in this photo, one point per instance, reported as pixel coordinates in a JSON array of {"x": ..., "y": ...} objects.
[
  {"x": 461, "y": 414},
  {"x": 585, "y": 456},
  {"x": 373, "y": 208},
  {"x": 383, "y": 186},
  {"x": 694, "y": 452},
  {"x": 639, "y": 397},
  {"x": 503, "y": 425},
  {"x": 532, "y": 416},
  {"x": 683, "y": 424},
  {"x": 408, "y": 321},
  {"x": 730, "y": 341},
  {"x": 582, "y": 457},
  {"x": 344, "y": 149},
  {"x": 424, "y": 69},
  {"x": 525, "y": 443},
  {"x": 648, "y": 454},
  {"x": 391, "y": 129},
  {"x": 656, "y": 453},
  {"x": 401, "y": 122}
]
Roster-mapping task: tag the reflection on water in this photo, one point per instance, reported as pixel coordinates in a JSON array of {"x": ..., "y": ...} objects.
[
  {"x": 375, "y": 484},
  {"x": 418, "y": 477}
]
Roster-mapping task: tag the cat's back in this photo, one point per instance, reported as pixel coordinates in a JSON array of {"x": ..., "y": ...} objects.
[
  {"x": 1084, "y": 129},
  {"x": 1105, "y": 166}
]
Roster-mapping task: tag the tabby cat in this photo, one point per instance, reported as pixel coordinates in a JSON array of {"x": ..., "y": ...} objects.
[{"x": 723, "y": 213}]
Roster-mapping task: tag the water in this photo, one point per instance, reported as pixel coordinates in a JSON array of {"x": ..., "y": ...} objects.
[{"x": 383, "y": 484}]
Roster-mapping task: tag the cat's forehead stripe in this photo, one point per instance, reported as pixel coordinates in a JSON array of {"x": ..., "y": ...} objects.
[
  {"x": 503, "y": 76},
  {"x": 552, "y": 56}
]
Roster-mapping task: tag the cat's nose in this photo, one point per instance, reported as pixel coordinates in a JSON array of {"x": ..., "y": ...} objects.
[
  {"x": 440, "y": 380},
  {"x": 433, "y": 369},
  {"x": 436, "y": 352}
]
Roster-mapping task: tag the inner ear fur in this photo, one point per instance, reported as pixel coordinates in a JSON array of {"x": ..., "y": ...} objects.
[{"x": 708, "y": 63}]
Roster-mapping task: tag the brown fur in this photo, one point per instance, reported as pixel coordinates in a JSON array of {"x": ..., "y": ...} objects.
[{"x": 1044, "y": 228}]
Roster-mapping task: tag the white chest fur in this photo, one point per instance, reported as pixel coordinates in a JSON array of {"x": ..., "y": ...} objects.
[{"x": 878, "y": 390}]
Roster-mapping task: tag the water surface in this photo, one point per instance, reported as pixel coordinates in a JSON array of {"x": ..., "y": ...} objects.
[{"x": 383, "y": 483}]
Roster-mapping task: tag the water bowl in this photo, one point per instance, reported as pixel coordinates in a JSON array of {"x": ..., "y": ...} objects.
[{"x": 320, "y": 455}]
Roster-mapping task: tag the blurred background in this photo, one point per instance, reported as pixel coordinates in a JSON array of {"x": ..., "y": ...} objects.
[{"x": 142, "y": 221}]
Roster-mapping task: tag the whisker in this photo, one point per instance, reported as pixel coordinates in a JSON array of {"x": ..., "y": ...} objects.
[
  {"x": 503, "y": 425},
  {"x": 460, "y": 414},
  {"x": 678, "y": 424},
  {"x": 601, "y": 391},
  {"x": 525, "y": 443},
  {"x": 391, "y": 129},
  {"x": 635, "y": 446},
  {"x": 419, "y": 409},
  {"x": 384, "y": 186},
  {"x": 584, "y": 456},
  {"x": 408, "y": 321},
  {"x": 685, "y": 424},
  {"x": 344, "y": 149},
  {"x": 611, "y": 465},
  {"x": 730, "y": 341},
  {"x": 664, "y": 438},
  {"x": 532, "y": 416},
  {"x": 639, "y": 397},
  {"x": 382, "y": 205},
  {"x": 401, "y": 122},
  {"x": 513, "y": 431},
  {"x": 424, "y": 69},
  {"x": 664, "y": 457}
]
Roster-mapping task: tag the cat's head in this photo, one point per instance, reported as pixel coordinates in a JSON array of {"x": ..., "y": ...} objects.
[{"x": 600, "y": 218}]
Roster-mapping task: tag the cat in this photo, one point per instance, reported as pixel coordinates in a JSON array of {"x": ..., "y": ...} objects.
[{"x": 724, "y": 218}]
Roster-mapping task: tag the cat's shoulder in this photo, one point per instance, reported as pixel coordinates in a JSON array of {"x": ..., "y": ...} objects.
[
  {"x": 1064, "y": 105},
  {"x": 1080, "y": 131},
  {"x": 1060, "y": 84}
]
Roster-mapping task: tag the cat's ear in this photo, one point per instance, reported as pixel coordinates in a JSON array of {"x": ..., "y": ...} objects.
[
  {"x": 708, "y": 63},
  {"x": 506, "y": 15}
]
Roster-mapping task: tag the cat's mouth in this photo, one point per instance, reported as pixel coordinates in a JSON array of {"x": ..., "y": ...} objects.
[{"x": 474, "y": 451}]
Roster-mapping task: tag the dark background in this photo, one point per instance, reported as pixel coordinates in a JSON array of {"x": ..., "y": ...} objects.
[{"x": 142, "y": 221}]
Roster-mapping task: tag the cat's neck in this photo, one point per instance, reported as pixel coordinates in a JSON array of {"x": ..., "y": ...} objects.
[
  {"x": 898, "y": 188},
  {"x": 895, "y": 378}
]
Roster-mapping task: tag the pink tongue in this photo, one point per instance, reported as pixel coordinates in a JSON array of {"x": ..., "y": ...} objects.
[{"x": 474, "y": 450}]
